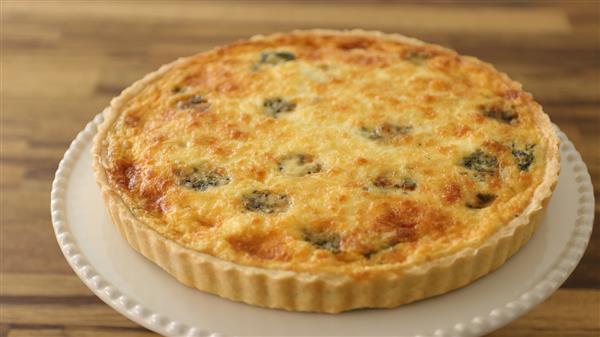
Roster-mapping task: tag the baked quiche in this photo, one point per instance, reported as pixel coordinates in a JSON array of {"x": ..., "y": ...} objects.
[{"x": 326, "y": 170}]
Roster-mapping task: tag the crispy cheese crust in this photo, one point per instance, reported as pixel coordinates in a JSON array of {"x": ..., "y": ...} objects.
[{"x": 328, "y": 152}]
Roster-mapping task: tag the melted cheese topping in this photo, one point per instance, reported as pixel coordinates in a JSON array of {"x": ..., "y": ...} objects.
[{"x": 327, "y": 152}]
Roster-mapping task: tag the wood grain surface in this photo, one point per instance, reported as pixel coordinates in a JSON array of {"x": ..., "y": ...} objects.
[{"x": 61, "y": 63}]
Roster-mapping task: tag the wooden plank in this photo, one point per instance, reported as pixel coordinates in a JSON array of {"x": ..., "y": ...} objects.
[
  {"x": 51, "y": 314},
  {"x": 474, "y": 19},
  {"x": 16, "y": 332},
  {"x": 76, "y": 78},
  {"x": 566, "y": 313},
  {"x": 4, "y": 328},
  {"x": 11, "y": 175},
  {"x": 36, "y": 251},
  {"x": 573, "y": 313},
  {"x": 80, "y": 332},
  {"x": 42, "y": 285}
]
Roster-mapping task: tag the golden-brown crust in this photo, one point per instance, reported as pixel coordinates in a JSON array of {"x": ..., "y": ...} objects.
[{"x": 382, "y": 285}]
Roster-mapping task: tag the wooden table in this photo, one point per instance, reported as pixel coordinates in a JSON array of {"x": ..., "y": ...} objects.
[{"x": 62, "y": 62}]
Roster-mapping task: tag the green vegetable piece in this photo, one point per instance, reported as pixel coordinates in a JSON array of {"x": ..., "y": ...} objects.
[
  {"x": 200, "y": 179},
  {"x": 418, "y": 57},
  {"x": 408, "y": 184},
  {"x": 195, "y": 101},
  {"x": 503, "y": 114},
  {"x": 276, "y": 105},
  {"x": 524, "y": 157},
  {"x": 481, "y": 162},
  {"x": 265, "y": 201},
  {"x": 323, "y": 240},
  {"x": 273, "y": 58},
  {"x": 298, "y": 165},
  {"x": 481, "y": 200},
  {"x": 383, "y": 181}
]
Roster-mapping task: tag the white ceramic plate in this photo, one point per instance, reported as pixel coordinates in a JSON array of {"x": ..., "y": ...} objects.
[{"x": 144, "y": 293}]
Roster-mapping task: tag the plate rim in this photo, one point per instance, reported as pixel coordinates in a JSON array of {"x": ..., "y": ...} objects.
[{"x": 477, "y": 325}]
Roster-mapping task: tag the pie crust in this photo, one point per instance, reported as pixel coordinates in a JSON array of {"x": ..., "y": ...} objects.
[{"x": 323, "y": 291}]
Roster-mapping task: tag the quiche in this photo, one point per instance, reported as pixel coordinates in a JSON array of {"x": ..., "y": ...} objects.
[{"x": 325, "y": 170}]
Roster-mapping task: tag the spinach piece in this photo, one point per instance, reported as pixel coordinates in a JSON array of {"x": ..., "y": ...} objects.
[
  {"x": 417, "y": 56},
  {"x": 408, "y": 184},
  {"x": 199, "y": 179},
  {"x": 273, "y": 58},
  {"x": 481, "y": 162},
  {"x": 276, "y": 105},
  {"x": 481, "y": 200},
  {"x": 265, "y": 201},
  {"x": 298, "y": 165},
  {"x": 524, "y": 157},
  {"x": 500, "y": 113},
  {"x": 323, "y": 240},
  {"x": 385, "y": 182},
  {"x": 195, "y": 101}
]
